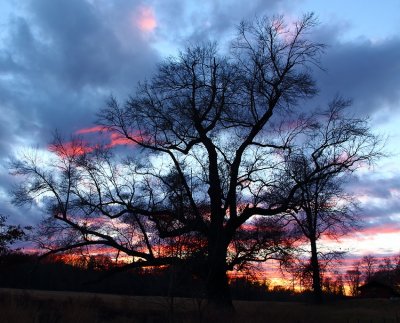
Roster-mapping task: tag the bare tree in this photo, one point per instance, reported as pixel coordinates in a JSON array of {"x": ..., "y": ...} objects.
[
  {"x": 388, "y": 271},
  {"x": 369, "y": 266},
  {"x": 333, "y": 145},
  {"x": 208, "y": 160},
  {"x": 210, "y": 113},
  {"x": 353, "y": 277},
  {"x": 334, "y": 285}
]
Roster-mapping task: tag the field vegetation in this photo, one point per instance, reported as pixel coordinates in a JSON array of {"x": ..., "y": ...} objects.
[{"x": 51, "y": 307}]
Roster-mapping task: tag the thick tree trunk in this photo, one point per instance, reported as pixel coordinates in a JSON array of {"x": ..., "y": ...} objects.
[
  {"x": 316, "y": 275},
  {"x": 218, "y": 291}
]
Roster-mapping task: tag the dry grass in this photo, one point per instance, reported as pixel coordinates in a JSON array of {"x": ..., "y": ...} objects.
[{"x": 59, "y": 307}]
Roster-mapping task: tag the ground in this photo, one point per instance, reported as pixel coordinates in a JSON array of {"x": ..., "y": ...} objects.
[{"x": 52, "y": 307}]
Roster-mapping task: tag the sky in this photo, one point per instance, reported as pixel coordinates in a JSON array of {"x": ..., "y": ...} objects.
[{"x": 61, "y": 60}]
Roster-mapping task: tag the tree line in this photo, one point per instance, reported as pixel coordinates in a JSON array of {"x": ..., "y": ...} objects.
[
  {"x": 100, "y": 274},
  {"x": 228, "y": 164}
]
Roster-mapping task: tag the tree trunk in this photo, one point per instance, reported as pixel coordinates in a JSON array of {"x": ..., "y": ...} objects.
[
  {"x": 316, "y": 275},
  {"x": 218, "y": 291}
]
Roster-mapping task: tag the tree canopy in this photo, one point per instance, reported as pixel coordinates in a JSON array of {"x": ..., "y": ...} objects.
[{"x": 223, "y": 146}]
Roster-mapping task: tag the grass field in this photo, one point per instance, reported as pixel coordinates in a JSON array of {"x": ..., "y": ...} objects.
[{"x": 59, "y": 307}]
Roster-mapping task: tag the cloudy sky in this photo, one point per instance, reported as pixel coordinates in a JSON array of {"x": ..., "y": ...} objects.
[{"x": 61, "y": 59}]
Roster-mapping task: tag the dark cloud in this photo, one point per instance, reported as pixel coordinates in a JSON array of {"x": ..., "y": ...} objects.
[
  {"x": 365, "y": 71},
  {"x": 83, "y": 49},
  {"x": 63, "y": 59},
  {"x": 60, "y": 60},
  {"x": 211, "y": 21},
  {"x": 380, "y": 203},
  {"x": 382, "y": 188}
]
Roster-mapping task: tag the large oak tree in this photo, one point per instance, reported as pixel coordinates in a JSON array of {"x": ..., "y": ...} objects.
[
  {"x": 207, "y": 117},
  {"x": 211, "y": 145}
]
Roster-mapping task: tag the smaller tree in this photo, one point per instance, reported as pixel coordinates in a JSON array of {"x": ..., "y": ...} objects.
[
  {"x": 332, "y": 145},
  {"x": 320, "y": 215}
]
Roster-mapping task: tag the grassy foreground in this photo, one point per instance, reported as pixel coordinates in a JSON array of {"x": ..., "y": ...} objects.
[{"x": 52, "y": 307}]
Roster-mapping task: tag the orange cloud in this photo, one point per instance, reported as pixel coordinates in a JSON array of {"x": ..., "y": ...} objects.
[{"x": 146, "y": 20}]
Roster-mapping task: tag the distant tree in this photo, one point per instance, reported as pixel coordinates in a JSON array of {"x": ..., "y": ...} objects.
[
  {"x": 369, "y": 265},
  {"x": 300, "y": 271},
  {"x": 388, "y": 271},
  {"x": 386, "y": 264},
  {"x": 337, "y": 286},
  {"x": 8, "y": 235},
  {"x": 210, "y": 162},
  {"x": 354, "y": 279}
]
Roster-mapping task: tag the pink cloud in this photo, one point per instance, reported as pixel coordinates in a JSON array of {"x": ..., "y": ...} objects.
[
  {"x": 90, "y": 130},
  {"x": 118, "y": 140},
  {"x": 146, "y": 20},
  {"x": 381, "y": 229},
  {"x": 71, "y": 149},
  {"x": 365, "y": 233},
  {"x": 114, "y": 139}
]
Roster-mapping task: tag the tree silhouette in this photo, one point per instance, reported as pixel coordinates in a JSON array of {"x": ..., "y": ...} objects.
[
  {"x": 210, "y": 162},
  {"x": 368, "y": 264},
  {"x": 210, "y": 113},
  {"x": 8, "y": 235},
  {"x": 337, "y": 145},
  {"x": 353, "y": 277}
]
